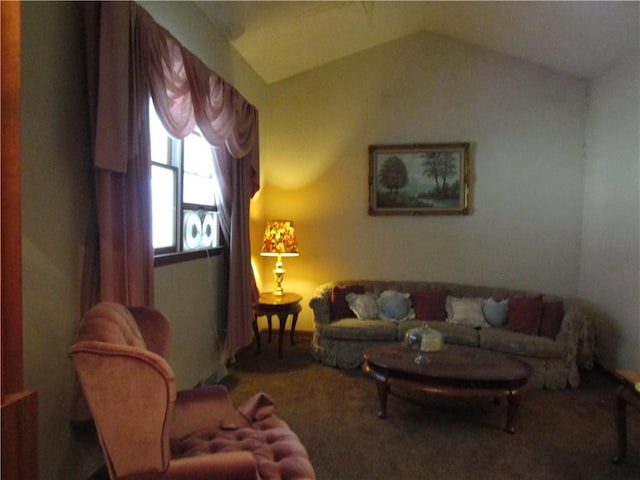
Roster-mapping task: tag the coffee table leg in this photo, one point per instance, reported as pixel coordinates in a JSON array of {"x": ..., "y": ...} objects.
[
  {"x": 620, "y": 415},
  {"x": 383, "y": 391},
  {"x": 513, "y": 401}
]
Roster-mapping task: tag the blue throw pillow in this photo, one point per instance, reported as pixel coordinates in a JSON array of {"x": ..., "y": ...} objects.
[
  {"x": 395, "y": 306},
  {"x": 496, "y": 313}
]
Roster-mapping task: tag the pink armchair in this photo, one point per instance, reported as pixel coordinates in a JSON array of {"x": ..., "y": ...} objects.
[{"x": 149, "y": 431}]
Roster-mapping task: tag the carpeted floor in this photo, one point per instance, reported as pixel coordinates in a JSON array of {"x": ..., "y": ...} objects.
[{"x": 564, "y": 435}]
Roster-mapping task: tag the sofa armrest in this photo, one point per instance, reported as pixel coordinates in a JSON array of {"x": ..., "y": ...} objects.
[
  {"x": 577, "y": 329},
  {"x": 569, "y": 343},
  {"x": 320, "y": 303}
]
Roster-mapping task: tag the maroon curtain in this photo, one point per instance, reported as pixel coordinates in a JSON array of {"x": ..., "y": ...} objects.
[
  {"x": 236, "y": 188},
  {"x": 131, "y": 57},
  {"x": 121, "y": 156}
]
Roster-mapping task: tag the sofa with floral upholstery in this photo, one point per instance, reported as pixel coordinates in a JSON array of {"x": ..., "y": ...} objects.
[{"x": 550, "y": 333}]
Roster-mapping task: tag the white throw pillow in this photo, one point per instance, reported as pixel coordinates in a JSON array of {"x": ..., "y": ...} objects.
[
  {"x": 363, "y": 305},
  {"x": 466, "y": 311}
]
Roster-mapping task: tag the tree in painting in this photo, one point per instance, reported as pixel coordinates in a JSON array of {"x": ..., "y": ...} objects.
[
  {"x": 393, "y": 174},
  {"x": 440, "y": 166}
]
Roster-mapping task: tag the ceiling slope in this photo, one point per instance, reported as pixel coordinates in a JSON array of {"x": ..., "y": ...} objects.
[{"x": 282, "y": 39}]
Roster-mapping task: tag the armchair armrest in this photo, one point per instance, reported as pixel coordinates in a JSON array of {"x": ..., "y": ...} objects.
[
  {"x": 200, "y": 407},
  {"x": 238, "y": 465},
  {"x": 130, "y": 392},
  {"x": 320, "y": 304}
]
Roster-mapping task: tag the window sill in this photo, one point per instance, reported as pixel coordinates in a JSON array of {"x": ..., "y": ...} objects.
[{"x": 171, "y": 258}]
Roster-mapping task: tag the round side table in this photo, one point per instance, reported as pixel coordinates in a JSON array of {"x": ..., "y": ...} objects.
[{"x": 282, "y": 306}]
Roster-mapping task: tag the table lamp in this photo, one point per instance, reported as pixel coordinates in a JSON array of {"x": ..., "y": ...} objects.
[{"x": 279, "y": 241}]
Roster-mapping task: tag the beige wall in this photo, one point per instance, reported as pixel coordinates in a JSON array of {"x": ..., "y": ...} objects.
[
  {"x": 526, "y": 126},
  {"x": 193, "y": 297},
  {"x": 55, "y": 198},
  {"x": 610, "y": 263}
]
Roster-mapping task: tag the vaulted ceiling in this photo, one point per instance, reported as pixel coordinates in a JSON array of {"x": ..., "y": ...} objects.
[{"x": 281, "y": 39}]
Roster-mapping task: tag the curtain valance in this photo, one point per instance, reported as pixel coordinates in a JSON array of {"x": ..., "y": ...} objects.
[{"x": 185, "y": 91}]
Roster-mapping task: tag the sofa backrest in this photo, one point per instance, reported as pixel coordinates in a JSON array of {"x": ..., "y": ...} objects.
[{"x": 454, "y": 289}]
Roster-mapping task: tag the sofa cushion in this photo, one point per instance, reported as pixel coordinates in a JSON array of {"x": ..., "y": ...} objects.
[
  {"x": 466, "y": 311},
  {"x": 552, "y": 313},
  {"x": 339, "y": 308},
  {"x": 356, "y": 329},
  {"x": 430, "y": 305},
  {"x": 506, "y": 341},
  {"x": 393, "y": 305},
  {"x": 364, "y": 305},
  {"x": 276, "y": 448},
  {"x": 525, "y": 314},
  {"x": 496, "y": 312}
]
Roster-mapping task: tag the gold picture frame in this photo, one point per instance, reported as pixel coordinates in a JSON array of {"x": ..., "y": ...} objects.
[{"x": 419, "y": 179}]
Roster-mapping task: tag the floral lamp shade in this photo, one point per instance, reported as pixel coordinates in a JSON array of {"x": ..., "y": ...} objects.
[{"x": 279, "y": 241}]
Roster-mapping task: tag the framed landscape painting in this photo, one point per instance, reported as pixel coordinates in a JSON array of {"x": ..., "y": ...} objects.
[{"x": 419, "y": 179}]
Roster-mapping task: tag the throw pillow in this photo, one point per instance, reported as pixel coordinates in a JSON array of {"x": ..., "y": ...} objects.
[
  {"x": 430, "y": 305},
  {"x": 552, "y": 313},
  {"x": 339, "y": 308},
  {"x": 496, "y": 312},
  {"x": 364, "y": 305},
  {"x": 466, "y": 311},
  {"x": 395, "y": 306},
  {"x": 525, "y": 314}
]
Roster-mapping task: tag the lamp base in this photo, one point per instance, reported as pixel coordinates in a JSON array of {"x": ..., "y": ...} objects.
[{"x": 278, "y": 273}]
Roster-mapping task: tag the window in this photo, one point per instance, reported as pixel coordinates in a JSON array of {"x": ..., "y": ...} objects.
[{"x": 183, "y": 182}]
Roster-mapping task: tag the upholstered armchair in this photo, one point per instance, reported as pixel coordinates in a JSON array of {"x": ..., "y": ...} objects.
[{"x": 149, "y": 430}]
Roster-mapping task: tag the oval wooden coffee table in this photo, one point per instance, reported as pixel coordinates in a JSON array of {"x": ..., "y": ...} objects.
[{"x": 454, "y": 371}]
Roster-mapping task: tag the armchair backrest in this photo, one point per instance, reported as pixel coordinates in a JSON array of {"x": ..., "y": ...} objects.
[
  {"x": 155, "y": 329},
  {"x": 130, "y": 389},
  {"x": 111, "y": 323}
]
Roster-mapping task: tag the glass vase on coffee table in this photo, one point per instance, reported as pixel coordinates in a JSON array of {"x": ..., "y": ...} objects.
[{"x": 424, "y": 339}]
